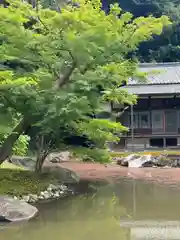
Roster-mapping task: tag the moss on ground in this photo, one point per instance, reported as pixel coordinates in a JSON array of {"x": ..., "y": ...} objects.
[
  {"x": 7, "y": 165},
  {"x": 16, "y": 181}
]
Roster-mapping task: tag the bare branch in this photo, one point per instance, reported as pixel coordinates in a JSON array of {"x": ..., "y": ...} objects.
[
  {"x": 64, "y": 78},
  {"x": 119, "y": 114},
  {"x": 49, "y": 146},
  {"x": 46, "y": 28}
]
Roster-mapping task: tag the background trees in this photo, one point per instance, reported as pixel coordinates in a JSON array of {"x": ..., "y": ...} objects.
[{"x": 163, "y": 48}]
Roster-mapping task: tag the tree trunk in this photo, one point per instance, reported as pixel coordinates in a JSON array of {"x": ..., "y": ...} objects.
[
  {"x": 41, "y": 154},
  {"x": 38, "y": 165},
  {"x": 7, "y": 146},
  {"x": 39, "y": 162}
]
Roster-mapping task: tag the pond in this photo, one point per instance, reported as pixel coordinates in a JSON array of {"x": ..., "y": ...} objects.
[{"x": 126, "y": 210}]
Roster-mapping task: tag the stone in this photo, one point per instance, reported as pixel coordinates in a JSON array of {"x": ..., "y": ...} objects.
[
  {"x": 59, "y": 157},
  {"x": 175, "y": 163},
  {"x": 26, "y": 198},
  {"x": 148, "y": 164},
  {"x": 46, "y": 194},
  {"x": 24, "y": 162},
  {"x": 138, "y": 162},
  {"x": 53, "y": 187},
  {"x": 56, "y": 195},
  {"x": 63, "y": 187},
  {"x": 126, "y": 161},
  {"x": 40, "y": 197},
  {"x": 33, "y": 198},
  {"x": 14, "y": 210},
  {"x": 166, "y": 167},
  {"x": 49, "y": 189},
  {"x": 119, "y": 161},
  {"x": 65, "y": 175},
  {"x": 162, "y": 161},
  {"x": 55, "y": 160}
]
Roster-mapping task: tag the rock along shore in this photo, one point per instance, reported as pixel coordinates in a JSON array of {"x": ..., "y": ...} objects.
[{"x": 51, "y": 193}]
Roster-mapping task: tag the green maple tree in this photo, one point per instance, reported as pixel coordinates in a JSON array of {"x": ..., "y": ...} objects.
[{"x": 75, "y": 60}]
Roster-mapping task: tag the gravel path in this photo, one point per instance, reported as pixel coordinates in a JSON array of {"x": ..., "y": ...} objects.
[{"x": 95, "y": 171}]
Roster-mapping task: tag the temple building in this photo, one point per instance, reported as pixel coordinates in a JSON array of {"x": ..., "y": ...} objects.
[{"x": 154, "y": 122}]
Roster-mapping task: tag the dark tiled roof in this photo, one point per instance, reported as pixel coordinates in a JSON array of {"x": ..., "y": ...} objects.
[
  {"x": 159, "y": 73},
  {"x": 142, "y": 2},
  {"x": 153, "y": 89}
]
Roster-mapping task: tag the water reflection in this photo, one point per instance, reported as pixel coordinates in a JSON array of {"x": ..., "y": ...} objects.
[
  {"x": 127, "y": 210},
  {"x": 154, "y": 211},
  {"x": 148, "y": 230}
]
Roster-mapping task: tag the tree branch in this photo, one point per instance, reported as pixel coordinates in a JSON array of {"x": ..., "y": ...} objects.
[
  {"x": 64, "y": 78},
  {"x": 44, "y": 25},
  {"x": 61, "y": 78},
  {"x": 119, "y": 114},
  {"x": 10, "y": 103}
]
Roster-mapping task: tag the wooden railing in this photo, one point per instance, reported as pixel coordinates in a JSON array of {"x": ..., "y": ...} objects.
[{"x": 149, "y": 131}]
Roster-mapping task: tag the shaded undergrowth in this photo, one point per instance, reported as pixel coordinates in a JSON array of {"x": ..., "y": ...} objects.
[{"x": 18, "y": 182}]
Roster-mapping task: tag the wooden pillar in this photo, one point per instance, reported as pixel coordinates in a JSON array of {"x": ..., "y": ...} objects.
[
  {"x": 125, "y": 144},
  {"x": 150, "y": 113},
  {"x": 164, "y": 142},
  {"x": 132, "y": 128},
  {"x": 145, "y": 145}
]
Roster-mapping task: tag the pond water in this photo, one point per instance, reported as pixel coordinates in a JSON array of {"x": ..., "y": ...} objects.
[{"x": 127, "y": 210}]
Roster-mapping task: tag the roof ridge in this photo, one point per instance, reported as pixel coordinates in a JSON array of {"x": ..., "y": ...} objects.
[
  {"x": 152, "y": 83},
  {"x": 151, "y": 64}
]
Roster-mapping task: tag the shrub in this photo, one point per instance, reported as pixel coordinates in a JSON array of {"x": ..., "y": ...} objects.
[
  {"x": 21, "y": 146},
  {"x": 93, "y": 154}
]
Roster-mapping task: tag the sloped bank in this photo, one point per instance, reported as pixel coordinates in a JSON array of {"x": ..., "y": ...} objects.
[
  {"x": 21, "y": 185},
  {"x": 26, "y": 185}
]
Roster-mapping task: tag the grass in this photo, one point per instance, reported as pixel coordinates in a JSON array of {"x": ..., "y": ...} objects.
[
  {"x": 16, "y": 181},
  {"x": 7, "y": 165},
  {"x": 153, "y": 153}
]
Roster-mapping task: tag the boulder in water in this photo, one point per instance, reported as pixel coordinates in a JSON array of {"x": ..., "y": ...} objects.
[{"x": 13, "y": 210}]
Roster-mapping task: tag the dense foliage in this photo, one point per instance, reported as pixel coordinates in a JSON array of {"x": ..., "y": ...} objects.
[
  {"x": 163, "y": 48},
  {"x": 61, "y": 68}
]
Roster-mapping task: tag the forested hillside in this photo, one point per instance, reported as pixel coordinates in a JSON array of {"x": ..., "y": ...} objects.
[{"x": 163, "y": 48}]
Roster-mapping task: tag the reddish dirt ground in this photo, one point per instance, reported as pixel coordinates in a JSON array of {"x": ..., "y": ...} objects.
[{"x": 91, "y": 171}]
